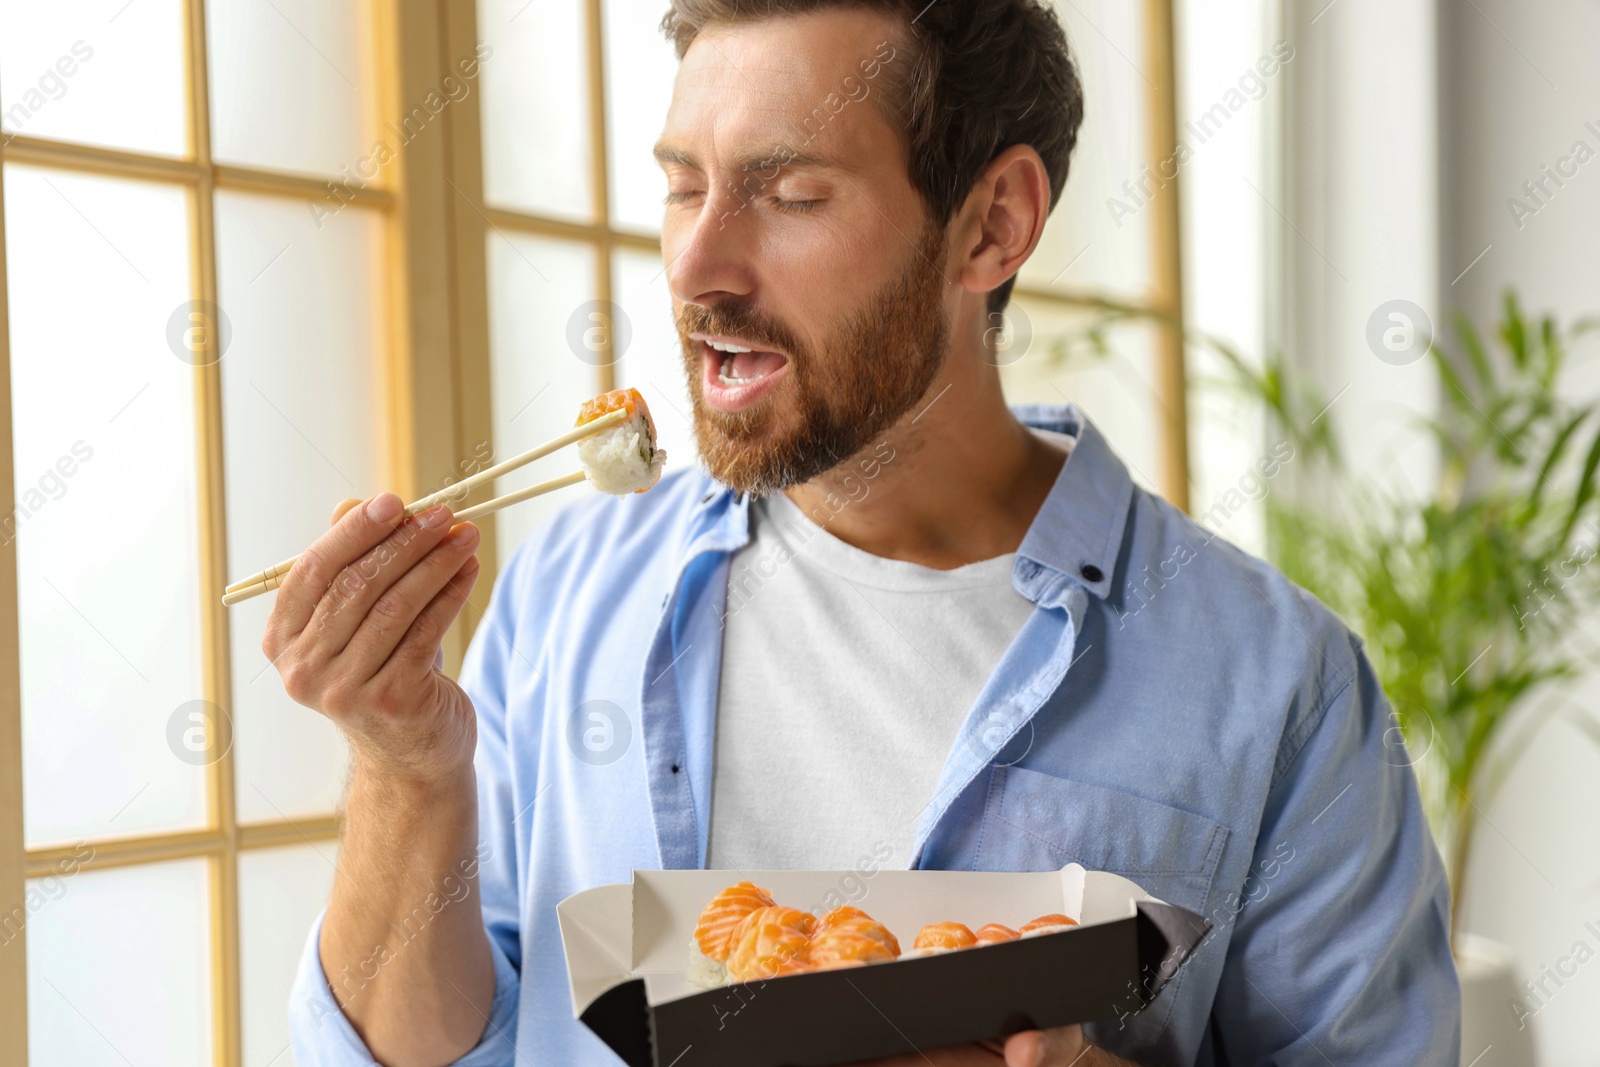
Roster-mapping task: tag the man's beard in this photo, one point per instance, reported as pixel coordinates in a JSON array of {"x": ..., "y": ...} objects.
[{"x": 881, "y": 361}]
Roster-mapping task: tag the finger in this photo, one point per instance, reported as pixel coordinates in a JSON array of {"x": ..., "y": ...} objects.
[
  {"x": 420, "y": 648},
  {"x": 403, "y": 605},
  {"x": 1025, "y": 1049},
  {"x": 343, "y": 507},
  {"x": 354, "y": 534},
  {"x": 362, "y": 585},
  {"x": 1060, "y": 1047}
]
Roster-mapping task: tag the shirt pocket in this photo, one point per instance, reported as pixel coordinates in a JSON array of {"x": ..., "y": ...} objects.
[{"x": 1039, "y": 822}]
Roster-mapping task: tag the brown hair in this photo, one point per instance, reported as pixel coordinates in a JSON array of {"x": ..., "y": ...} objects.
[{"x": 977, "y": 77}]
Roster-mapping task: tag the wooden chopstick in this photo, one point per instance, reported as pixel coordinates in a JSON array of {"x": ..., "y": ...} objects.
[
  {"x": 466, "y": 485},
  {"x": 456, "y": 491},
  {"x": 477, "y": 511}
]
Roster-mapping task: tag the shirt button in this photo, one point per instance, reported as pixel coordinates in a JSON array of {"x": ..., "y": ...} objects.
[
  {"x": 707, "y": 498},
  {"x": 1092, "y": 573},
  {"x": 674, "y": 768}
]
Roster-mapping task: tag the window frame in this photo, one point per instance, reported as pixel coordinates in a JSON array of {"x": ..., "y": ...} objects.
[{"x": 403, "y": 37}]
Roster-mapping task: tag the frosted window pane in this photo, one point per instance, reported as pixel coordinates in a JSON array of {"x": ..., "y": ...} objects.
[
  {"x": 536, "y": 286},
  {"x": 640, "y": 68},
  {"x": 104, "y": 438},
  {"x": 536, "y": 106},
  {"x": 653, "y": 363},
  {"x": 1088, "y": 244},
  {"x": 102, "y": 72},
  {"x": 280, "y": 892},
  {"x": 303, "y": 391},
  {"x": 288, "y": 82},
  {"x": 119, "y": 967},
  {"x": 1116, "y": 392}
]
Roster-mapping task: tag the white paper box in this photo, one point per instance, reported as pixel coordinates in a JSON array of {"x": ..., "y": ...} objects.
[{"x": 628, "y": 951}]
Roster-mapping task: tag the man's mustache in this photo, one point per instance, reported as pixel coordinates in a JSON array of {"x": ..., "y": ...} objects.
[{"x": 761, "y": 334}]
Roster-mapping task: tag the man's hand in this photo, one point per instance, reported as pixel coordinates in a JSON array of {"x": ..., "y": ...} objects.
[
  {"x": 357, "y": 626},
  {"x": 1060, "y": 1047},
  {"x": 355, "y": 634}
]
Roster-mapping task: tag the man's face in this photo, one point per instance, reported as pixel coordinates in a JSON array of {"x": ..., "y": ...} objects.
[{"x": 792, "y": 230}]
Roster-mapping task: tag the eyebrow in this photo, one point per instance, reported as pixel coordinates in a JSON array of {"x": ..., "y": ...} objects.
[{"x": 666, "y": 153}]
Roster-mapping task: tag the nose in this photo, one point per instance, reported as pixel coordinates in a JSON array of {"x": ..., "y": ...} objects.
[{"x": 710, "y": 254}]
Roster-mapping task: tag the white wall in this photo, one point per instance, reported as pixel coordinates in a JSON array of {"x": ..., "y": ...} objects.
[
  {"x": 1358, "y": 216},
  {"x": 1519, "y": 80}
]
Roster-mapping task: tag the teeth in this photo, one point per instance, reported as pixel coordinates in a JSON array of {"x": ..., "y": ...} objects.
[
  {"x": 725, "y": 372},
  {"x": 726, "y": 376}
]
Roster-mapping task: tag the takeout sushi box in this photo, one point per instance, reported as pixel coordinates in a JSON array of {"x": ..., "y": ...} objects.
[{"x": 629, "y": 949}]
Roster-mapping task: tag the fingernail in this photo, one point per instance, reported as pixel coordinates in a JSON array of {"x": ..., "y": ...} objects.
[
  {"x": 433, "y": 516},
  {"x": 463, "y": 536},
  {"x": 384, "y": 507}
]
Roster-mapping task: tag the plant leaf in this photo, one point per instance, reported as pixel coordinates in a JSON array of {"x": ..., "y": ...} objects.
[
  {"x": 1473, "y": 345},
  {"x": 1457, "y": 393},
  {"x": 1553, "y": 457},
  {"x": 1515, "y": 331},
  {"x": 1586, "y": 488}
]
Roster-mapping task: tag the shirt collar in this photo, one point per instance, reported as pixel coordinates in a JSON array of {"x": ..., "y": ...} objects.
[{"x": 1077, "y": 533}]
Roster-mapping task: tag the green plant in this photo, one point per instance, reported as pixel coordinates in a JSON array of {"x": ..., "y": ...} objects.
[{"x": 1465, "y": 595}]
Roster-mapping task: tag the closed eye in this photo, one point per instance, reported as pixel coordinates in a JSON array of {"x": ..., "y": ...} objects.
[{"x": 796, "y": 207}]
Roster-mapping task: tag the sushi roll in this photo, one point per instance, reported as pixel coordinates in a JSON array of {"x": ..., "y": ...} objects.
[
  {"x": 994, "y": 933},
  {"x": 1047, "y": 924},
  {"x": 623, "y": 459},
  {"x": 850, "y": 944},
  {"x": 842, "y": 914},
  {"x": 771, "y": 942},
  {"x": 714, "y": 932},
  {"x": 853, "y": 920},
  {"x": 942, "y": 937}
]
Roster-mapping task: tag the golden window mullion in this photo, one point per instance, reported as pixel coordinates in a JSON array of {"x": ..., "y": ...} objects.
[
  {"x": 458, "y": 198},
  {"x": 600, "y": 183},
  {"x": 216, "y": 677},
  {"x": 13, "y": 857},
  {"x": 1172, "y": 389},
  {"x": 107, "y": 853}
]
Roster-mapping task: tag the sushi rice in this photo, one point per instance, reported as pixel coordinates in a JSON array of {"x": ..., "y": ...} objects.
[
  {"x": 623, "y": 459},
  {"x": 1040, "y": 931},
  {"x": 705, "y": 972}
]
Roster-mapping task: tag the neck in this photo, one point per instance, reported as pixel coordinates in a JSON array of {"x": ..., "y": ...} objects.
[{"x": 957, "y": 480}]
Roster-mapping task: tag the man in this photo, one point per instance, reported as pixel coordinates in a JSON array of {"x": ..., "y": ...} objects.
[{"x": 893, "y": 623}]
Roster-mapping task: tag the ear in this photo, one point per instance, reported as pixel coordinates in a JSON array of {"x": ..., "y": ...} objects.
[{"x": 1006, "y": 210}]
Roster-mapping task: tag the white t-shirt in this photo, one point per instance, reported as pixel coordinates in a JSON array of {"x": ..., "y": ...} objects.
[{"x": 845, "y": 680}]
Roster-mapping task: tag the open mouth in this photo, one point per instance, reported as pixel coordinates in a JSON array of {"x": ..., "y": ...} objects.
[{"x": 736, "y": 373}]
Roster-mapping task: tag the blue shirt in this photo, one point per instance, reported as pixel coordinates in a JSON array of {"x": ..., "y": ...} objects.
[{"x": 1173, "y": 710}]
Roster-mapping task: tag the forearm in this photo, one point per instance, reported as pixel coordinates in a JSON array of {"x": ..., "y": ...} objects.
[{"x": 403, "y": 944}]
